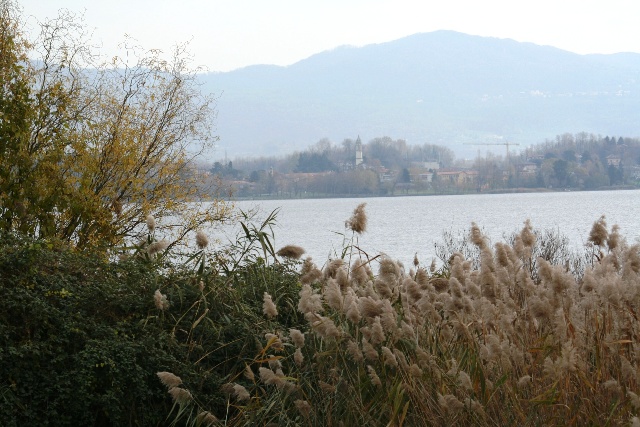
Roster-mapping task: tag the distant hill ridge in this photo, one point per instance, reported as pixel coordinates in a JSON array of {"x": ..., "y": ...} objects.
[{"x": 442, "y": 88}]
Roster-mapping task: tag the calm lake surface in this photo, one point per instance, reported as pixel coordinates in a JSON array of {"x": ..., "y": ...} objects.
[{"x": 403, "y": 226}]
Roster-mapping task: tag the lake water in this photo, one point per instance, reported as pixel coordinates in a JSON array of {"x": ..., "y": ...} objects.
[{"x": 403, "y": 226}]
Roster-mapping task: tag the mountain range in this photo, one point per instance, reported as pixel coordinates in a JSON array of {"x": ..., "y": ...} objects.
[{"x": 443, "y": 87}]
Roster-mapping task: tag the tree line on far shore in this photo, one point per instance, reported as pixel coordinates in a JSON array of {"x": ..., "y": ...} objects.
[{"x": 581, "y": 161}]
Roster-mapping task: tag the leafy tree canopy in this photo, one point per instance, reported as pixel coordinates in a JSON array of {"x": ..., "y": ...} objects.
[{"x": 89, "y": 148}]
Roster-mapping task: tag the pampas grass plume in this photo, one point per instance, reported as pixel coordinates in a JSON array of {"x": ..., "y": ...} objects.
[
  {"x": 291, "y": 251},
  {"x": 202, "y": 240},
  {"x": 206, "y": 418},
  {"x": 151, "y": 223},
  {"x": 180, "y": 395},
  {"x": 160, "y": 300},
  {"x": 268, "y": 307},
  {"x": 389, "y": 357},
  {"x": 310, "y": 302},
  {"x": 375, "y": 379},
  {"x": 241, "y": 393},
  {"x": 358, "y": 221},
  {"x": 476, "y": 236},
  {"x": 157, "y": 247},
  {"x": 598, "y": 234},
  {"x": 297, "y": 337},
  {"x": 270, "y": 378},
  {"x": 303, "y": 407},
  {"x": 169, "y": 380},
  {"x": 527, "y": 235}
]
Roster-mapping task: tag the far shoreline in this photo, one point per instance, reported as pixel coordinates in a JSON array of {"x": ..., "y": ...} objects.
[{"x": 520, "y": 190}]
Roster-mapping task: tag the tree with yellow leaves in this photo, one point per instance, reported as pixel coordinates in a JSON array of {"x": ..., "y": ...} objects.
[{"x": 89, "y": 149}]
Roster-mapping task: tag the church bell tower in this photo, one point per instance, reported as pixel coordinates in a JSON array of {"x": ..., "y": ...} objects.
[{"x": 358, "y": 151}]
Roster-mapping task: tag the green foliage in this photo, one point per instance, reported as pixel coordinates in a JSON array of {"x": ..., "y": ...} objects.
[
  {"x": 82, "y": 338},
  {"x": 76, "y": 349}
]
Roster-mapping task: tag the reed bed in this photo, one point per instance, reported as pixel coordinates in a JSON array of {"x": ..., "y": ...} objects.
[{"x": 503, "y": 339}]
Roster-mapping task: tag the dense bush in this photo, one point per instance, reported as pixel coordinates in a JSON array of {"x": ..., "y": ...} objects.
[{"x": 83, "y": 338}]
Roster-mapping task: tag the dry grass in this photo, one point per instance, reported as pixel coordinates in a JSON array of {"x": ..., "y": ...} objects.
[{"x": 507, "y": 339}]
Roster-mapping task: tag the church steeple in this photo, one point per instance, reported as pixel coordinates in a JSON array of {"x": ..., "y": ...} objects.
[{"x": 358, "y": 151}]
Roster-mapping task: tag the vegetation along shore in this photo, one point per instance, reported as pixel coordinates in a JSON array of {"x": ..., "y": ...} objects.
[{"x": 118, "y": 309}]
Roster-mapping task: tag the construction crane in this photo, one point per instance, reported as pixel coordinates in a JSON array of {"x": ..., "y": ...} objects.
[{"x": 507, "y": 144}]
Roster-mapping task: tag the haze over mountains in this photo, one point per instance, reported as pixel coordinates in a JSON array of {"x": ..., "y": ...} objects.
[{"x": 443, "y": 88}]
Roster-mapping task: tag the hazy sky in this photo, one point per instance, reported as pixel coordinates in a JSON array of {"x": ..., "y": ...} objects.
[{"x": 228, "y": 34}]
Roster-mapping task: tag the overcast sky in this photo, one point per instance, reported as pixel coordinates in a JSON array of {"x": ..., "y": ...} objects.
[{"x": 229, "y": 34}]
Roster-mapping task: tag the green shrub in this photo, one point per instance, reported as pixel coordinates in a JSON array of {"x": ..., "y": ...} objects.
[{"x": 83, "y": 339}]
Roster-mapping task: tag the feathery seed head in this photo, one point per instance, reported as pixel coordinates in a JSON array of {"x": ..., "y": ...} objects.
[
  {"x": 352, "y": 310},
  {"x": 332, "y": 268},
  {"x": 598, "y": 234},
  {"x": 297, "y": 337},
  {"x": 540, "y": 309},
  {"x": 310, "y": 302},
  {"x": 369, "y": 351},
  {"x": 375, "y": 379},
  {"x": 169, "y": 380},
  {"x": 291, "y": 251},
  {"x": 248, "y": 373},
  {"x": 274, "y": 363},
  {"x": 181, "y": 396},
  {"x": 156, "y": 247},
  {"x": 614, "y": 237},
  {"x": 206, "y": 419},
  {"x": 369, "y": 307},
  {"x": 151, "y": 223},
  {"x": 360, "y": 272},
  {"x": 502, "y": 255},
  {"x": 269, "y": 377},
  {"x": 377, "y": 332},
  {"x": 303, "y": 407},
  {"x": 432, "y": 267},
  {"x": 358, "y": 221},
  {"x": 326, "y": 328},
  {"x": 274, "y": 341},
  {"x": 413, "y": 290},
  {"x": 332, "y": 294},
  {"x": 389, "y": 357},
  {"x": 202, "y": 240},
  {"x": 160, "y": 300},
  {"x": 298, "y": 357},
  {"x": 527, "y": 235},
  {"x": 415, "y": 371},
  {"x": 354, "y": 351},
  {"x": 241, "y": 393},
  {"x": 524, "y": 381},
  {"x": 326, "y": 387},
  {"x": 268, "y": 307},
  {"x": 635, "y": 401},
  {"x": 477, "y": 238},
  {"x": 440, "y": 284},
  {"x": 422, "y": 277},
  {"x": 450, "y": 403}
]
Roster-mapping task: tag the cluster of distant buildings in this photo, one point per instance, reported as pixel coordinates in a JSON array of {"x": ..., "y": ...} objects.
[{"x": 418, "y": 175}]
